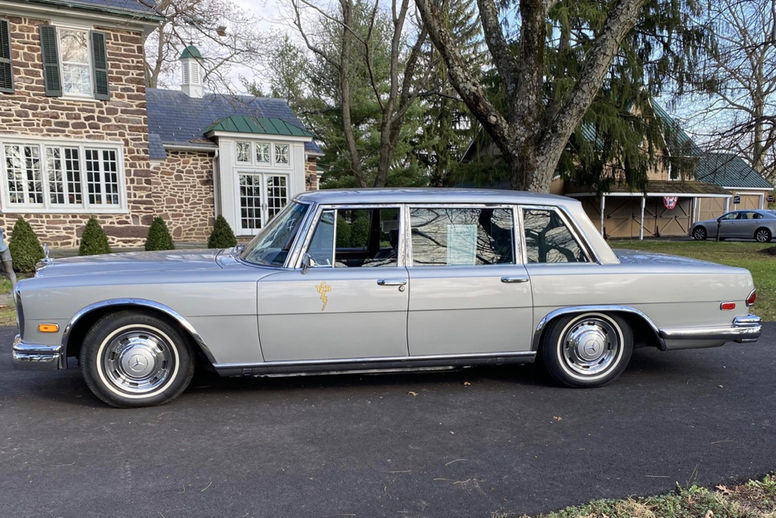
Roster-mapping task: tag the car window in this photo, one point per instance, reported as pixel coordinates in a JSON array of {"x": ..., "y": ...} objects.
[
  {"x": 549, "y": 240},
  {"x": 729, "y": 216},
  {"x": 272, "y": 244},
  {"x": 448, "y": 236},
  {"x": 357, "y": 237}
]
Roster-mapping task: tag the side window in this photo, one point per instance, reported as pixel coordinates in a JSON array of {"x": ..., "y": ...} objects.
[
  {"x": 729, "y": 216},
  {"x": 548, "y": 240},
  {"x": 353, "y": 238},
  {"x": 462, "y": 236}
]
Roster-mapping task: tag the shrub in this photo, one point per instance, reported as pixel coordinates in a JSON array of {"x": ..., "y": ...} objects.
[
  {"x": 159, "y": 237},
  {"x": 93, "y": 241},
  {"x": 222, "y": 235},
  {"x": 25, "y": 247}
]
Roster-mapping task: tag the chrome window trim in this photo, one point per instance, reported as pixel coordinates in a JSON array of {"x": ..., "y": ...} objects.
[
  {"x": 140, "y": 303},
  {"x": 592, "y": 256},
  {"x": 320, "y": 207},
  {"x": 517, "y": 256}
]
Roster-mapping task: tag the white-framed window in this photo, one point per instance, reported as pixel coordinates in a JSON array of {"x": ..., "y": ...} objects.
[
  {"x": 261, "y": 196},
  {"x": 263, "y": 153},
  {"x": 75, "y": 61},
  {"x": 243, "y": 152},
  {"x": 281, "y": 154},
  {"x": 60, "y": 176}
]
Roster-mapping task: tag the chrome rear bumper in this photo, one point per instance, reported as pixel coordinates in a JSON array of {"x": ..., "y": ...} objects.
[
  {"x": 746, "y": 328},
  {"x": 36, "y": 356}
]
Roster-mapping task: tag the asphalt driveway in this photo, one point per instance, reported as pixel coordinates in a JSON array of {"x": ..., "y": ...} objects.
[{"x": 464, "y": 443}]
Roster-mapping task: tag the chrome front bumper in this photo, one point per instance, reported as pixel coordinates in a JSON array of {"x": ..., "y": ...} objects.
[
  {"x": 743, "y": 329},
  {"x": 36, "y": 356}
]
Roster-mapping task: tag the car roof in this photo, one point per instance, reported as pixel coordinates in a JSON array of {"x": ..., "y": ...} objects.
[{"x": 431, "y": 195}]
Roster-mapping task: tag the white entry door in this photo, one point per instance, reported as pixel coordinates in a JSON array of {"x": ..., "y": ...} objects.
[{"x": 260, "y": 196}]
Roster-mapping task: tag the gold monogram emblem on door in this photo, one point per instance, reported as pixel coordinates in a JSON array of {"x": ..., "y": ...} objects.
[{"x": 322, "y": 290}]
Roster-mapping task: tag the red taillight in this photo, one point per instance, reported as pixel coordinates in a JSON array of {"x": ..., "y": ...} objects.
[
  {"x": 727, "y": 306},
  {"x": 751, "y": 298}
]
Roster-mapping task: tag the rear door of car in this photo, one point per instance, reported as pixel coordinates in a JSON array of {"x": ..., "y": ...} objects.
[
  {"x": 350, "y": 300},
  {"x": 469, "y": 292}
]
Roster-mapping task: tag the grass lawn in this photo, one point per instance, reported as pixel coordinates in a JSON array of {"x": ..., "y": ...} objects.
[
  {"x": 733, "y": 253},
  {"x": 755, "y": 499}
]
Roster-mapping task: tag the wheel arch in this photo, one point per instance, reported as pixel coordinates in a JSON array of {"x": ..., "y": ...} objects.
[
  {"x": 645, "y": 332},
  {"x": 79, "y": 325},
  {"x": 762, "y": 227}
]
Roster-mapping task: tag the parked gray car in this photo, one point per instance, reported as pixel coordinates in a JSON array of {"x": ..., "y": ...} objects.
[
  {"x": 366, "y": 280},
  {"x": 738, "y": 224}
]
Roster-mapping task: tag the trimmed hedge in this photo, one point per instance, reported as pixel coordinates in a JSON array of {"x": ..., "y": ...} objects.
[
  {"x": 222, "y": 235},
  {"x": 25, "y": 247},
  {"x": 159, "y": 237},
  {"x": 93, "y": 240}
]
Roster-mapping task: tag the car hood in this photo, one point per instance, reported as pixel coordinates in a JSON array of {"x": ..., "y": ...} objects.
[{"x": 133, "y": 262}]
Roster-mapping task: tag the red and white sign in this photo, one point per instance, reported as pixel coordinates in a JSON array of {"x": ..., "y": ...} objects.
[{"x": 670, "y": 201}]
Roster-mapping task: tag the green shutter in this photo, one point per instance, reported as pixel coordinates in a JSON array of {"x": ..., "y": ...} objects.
[
  {"x": 48, "y": 46},
  {"x": 6, "y": 67},
  {"x": 100, "y": 66}
]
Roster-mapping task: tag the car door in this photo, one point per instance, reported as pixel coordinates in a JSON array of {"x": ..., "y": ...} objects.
[
  {"x": 469, "y": 293},
  {"x": 728, "y": 225},
  {"x": 349, "y": 301}
]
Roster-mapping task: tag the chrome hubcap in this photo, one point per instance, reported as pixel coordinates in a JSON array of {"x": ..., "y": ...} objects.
[
  {"x": 138, "y": 361},
  {"x": 590, "y": 346},
  {"x": 762, "y": 236}
]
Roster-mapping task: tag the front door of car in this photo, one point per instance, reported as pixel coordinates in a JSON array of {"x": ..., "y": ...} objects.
[
  {"x": 469, "y": 294},
  {"x": 728, "y": 225},
  {"x": 349, "y": 300}
]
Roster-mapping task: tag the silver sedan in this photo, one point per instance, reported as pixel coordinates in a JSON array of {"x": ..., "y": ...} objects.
[{"x": 739, "y": 224}]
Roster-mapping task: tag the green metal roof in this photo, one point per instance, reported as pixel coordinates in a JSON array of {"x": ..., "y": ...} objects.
[
  {"x": 729, "y": 170},
  {"x": 190, "y": 52},
  {"x": 257, "y": 125}
]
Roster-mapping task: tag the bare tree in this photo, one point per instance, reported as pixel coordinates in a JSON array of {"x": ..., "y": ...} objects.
[
  {"x": 225, "y": 34},
  {"x": 356, "y": 24},
  {"x": 738, "y": 83},
  {"x": 531, "y": 134}
]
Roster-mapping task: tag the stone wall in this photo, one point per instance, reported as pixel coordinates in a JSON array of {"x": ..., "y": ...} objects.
[
  {"x": 121, "y": 119},
  {"x": 311, "y": 174}
]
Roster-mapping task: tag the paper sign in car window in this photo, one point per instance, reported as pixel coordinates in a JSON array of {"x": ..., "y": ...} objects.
[{"x": 461, "y": 244}]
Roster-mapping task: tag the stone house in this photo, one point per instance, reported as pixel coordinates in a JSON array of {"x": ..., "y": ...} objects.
[{"x": 82, "y": 136}]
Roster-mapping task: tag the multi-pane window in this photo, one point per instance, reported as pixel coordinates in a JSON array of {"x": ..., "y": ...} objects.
[
  {"x": 47, "y": 175},
  {"x": 447, "y": 236},
  {"x": 277, "y": 194},
  {"x": 262, "y": 196},
  {"x": 549, "y": 240},
  {"x": 250, "y": 202},
  {"x": 281, "y": 153},
  {"x": 263, "y": 155},
  {"x": 76, "y": 66}
]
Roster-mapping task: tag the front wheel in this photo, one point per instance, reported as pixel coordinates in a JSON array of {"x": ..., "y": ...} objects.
[
  {"x": 762, "y": 235},
  {"x": 132, "y": 359},
  {"x": 699, "y": 233},
  {"x": 587, "y": 350}
]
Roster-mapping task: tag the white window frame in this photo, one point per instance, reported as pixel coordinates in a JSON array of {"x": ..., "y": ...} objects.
[
  {"x": 56, "y": 208},
  {"x": 273, "y": 149},
  {"x": 90, "y": 64},
  {"x": 264, "y": 175}
]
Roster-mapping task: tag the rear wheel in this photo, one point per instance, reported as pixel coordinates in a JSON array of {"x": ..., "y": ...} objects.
[
  {"x": 699, "y": 233},
  {"x": 132, "y": 359},
  {"x": 763, "y": 235},
  {"x": 587, "y": 350}
]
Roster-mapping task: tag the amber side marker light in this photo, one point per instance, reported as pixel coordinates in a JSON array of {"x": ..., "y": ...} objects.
[
  {"x": 727, "y": 306},
  {"x": 48, "y": 328},
  {"x": 751, "y": 298}
]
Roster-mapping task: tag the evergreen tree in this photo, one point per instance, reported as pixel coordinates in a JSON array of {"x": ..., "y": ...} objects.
[
  {"x": 25, "y": 247},
  {"x": 159, "y": 237},
  {"x": 222, "y": 235},
  {"x": 93, "y": 240}
]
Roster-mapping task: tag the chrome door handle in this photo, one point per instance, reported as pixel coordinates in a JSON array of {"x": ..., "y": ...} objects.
[
  {"x": 517, "y": 279},
  {"x": 391, "y": 282}
]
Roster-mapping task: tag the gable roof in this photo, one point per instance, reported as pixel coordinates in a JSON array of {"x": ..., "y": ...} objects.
[
  {"x": 177, "y": 119},
  {"x": 145, "y": 9},
  {"x": 257, "y": 125},
  {"x": 728, "y": 170}
]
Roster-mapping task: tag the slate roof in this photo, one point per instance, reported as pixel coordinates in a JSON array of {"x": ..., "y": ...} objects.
[
  {"x": 728, "y": 170},
  {"x": 176, "y": 118},
  {"x": 136, "y": 8}
]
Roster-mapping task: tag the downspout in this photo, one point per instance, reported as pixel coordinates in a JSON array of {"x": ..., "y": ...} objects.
[{"x": 216, "y": 186}]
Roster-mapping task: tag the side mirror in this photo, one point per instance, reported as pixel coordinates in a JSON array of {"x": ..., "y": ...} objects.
[{"x": 307, "y": 262}]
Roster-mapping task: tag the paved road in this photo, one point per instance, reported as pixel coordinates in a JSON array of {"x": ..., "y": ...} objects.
[{"x": 451, "y": 444}]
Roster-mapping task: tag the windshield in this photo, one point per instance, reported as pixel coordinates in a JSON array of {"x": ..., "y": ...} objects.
[{"x": 271, "y": 246}]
